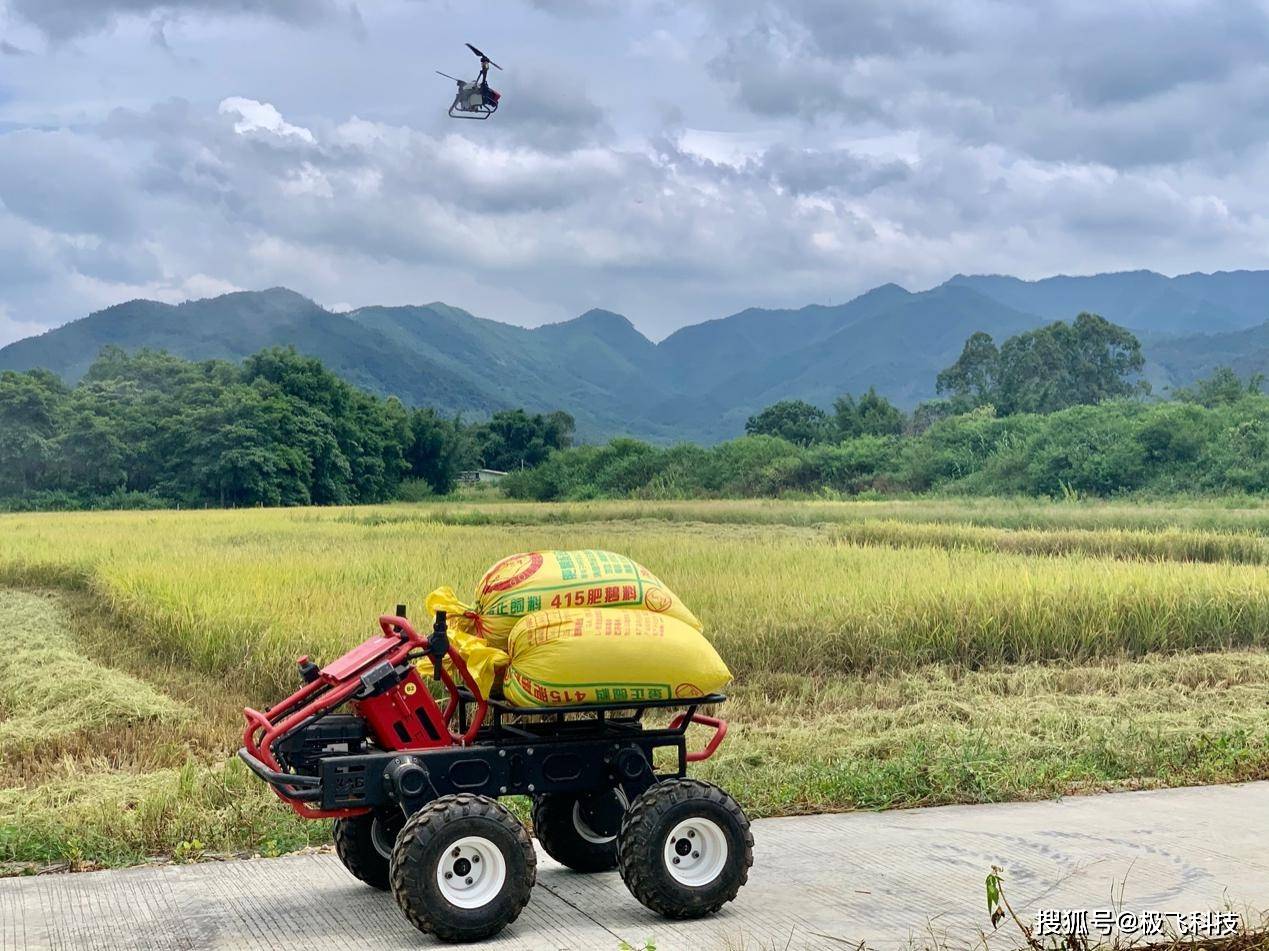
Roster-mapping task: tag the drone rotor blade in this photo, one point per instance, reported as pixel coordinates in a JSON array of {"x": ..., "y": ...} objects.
[
  {"x": 448, "y": 76},
  {"x": 483, "y": 56}
]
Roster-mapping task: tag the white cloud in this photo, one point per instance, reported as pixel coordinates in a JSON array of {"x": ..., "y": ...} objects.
[
  {"x": 308, "y": 180},
  {"x": 261, "y": 116},
  {"x": 727, "y": 148}
]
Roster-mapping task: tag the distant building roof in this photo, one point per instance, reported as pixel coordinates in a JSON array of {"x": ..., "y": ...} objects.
[{"x": 480, "y": 475}]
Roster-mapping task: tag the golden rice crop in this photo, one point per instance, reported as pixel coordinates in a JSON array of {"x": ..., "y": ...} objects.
[
  {"x": 1169, "y": 544},
  {"x": 244, "y": 592},
  {"x": 1235, "y": 514}
]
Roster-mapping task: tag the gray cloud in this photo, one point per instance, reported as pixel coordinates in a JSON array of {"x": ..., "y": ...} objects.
[
  {"x": 1126, "y": 83},
  {"x": 554, "y": 110},
  {"x": 62, "y": 19},
  {"x": 812, "y": 171},
  {"x": 572, "y": 8},
  {"x": 64, "y": 182},
  {"x": 673, "y": 162}
]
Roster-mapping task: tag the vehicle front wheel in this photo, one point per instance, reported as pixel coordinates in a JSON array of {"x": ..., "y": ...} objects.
[
  {"x": 364, "y": 844},
  {"x": 463, "y": 868},
  {"x": 685, "y": 848}
]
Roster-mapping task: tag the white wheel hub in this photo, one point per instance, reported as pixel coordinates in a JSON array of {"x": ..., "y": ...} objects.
[
  {"x": 472, "y": 872},
  {"x": 583, "y": 827},
  {"x": 695, "y": 851}
]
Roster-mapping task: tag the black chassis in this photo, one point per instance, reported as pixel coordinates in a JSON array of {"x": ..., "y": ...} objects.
[{"x": 520, "y": 751}]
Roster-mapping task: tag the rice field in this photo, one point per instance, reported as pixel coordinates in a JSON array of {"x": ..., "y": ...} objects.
[{"x": 886, "y": 653}]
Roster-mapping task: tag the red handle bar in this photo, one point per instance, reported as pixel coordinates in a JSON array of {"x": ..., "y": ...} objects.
[{"x": 720, "y": 731}]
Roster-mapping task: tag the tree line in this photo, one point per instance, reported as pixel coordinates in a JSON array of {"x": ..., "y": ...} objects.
[
  {"x": 1054, "y": 410},
  {"x": 1212, "y": 439},
  {"x": 1044, "y": 370},
  {"x": 279, "y": 429}
]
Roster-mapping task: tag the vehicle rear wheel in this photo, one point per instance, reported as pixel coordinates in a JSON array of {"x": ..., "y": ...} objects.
[
  {"x": 364, "y": 844},
  {"x": 580, "y": 831},
  {"x": 463, "y": 868},
  {"x": 685, "y": 848}
]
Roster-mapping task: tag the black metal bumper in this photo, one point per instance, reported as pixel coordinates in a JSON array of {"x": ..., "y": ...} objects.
[
  {"x": 521, "y": 751},
  {"x": 303, "y": 788}
]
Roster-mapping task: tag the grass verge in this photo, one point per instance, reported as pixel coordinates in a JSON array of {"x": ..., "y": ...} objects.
[{"x": 932, "y": 736}]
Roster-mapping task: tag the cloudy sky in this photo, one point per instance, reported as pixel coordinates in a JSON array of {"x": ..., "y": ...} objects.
[{"x": 673, "y": 161}]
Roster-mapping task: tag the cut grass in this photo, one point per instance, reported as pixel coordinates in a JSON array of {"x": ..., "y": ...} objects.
[
  {"x": 945, "y": 735},
  {"x": 112, "y": 818},
  {"x": 209, "y": 723},
  {"x": 99, "y": 767},
  {"x": 49, "y": 690}
]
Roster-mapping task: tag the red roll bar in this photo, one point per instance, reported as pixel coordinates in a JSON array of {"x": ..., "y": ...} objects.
[{"x": 338, "y": 681}]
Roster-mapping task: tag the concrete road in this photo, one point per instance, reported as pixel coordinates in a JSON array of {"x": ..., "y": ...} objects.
[{"x": 892, "y": 880}]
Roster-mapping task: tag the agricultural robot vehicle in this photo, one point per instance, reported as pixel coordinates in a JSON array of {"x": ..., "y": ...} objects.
[{"x": 414, "y": 786}]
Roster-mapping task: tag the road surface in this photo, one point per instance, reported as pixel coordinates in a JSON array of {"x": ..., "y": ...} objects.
[{"x": 892, "y": 880}]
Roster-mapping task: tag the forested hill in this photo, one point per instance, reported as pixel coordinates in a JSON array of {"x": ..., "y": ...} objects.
[{"x": 702, "y": 382}]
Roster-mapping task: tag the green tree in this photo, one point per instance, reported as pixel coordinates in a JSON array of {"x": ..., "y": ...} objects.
[
  {"x": 513, "y": 439},
  {"x": 280, "y": 429},
  {"x": 434, "y": 453},
  {"x": 1047, "y": 369},
  {"x": 794, "y": 421},
  {"x": 31, "y": 405},
  {"x": 378, "y": 433},
  {"x": 1222, "y": 388},
  {"x": 930, "y": 412},
  {"x": 557, "y": 429},
  {"x": 247, "y": 448},
  {"x": 92, "y": 452},
  {"x": 156, "y": 371},
  {"x": 871, "y": 415},
  {"x": 973, "y": 379},
  {"x": 1061, "y": 365},
  {"x": 364, "y": 458}
]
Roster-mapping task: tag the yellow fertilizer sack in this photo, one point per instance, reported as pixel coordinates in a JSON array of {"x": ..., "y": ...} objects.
[
  {"x": 607, "y": 656},
  {"x": 557, "y": 580},
  {"x": 484, "y": 662}
]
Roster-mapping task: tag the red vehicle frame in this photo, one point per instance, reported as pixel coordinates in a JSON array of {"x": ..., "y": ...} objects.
[{"x": 399, "y": 746}]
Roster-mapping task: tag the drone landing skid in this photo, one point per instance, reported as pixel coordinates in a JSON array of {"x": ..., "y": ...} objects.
[{"x": 456, "y": 111}]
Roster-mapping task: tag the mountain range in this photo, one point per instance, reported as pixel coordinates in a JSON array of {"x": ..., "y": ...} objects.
[{"x": 702, "y": 382}]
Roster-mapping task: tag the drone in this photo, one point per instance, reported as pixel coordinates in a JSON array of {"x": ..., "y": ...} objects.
[{"x": 474, "y": 99}]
